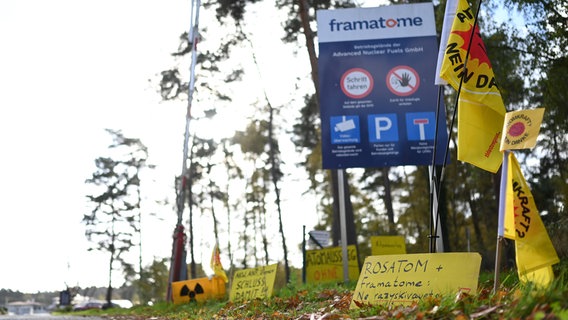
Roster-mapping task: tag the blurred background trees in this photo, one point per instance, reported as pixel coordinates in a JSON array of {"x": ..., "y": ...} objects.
[
  {"x": 238, "y": 177},
  {"x": 526, "y": 43}
]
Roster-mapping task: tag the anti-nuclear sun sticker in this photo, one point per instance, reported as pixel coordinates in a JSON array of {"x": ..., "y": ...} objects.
[
  {"x": 521, "y": 129},
  {"x": 403, "y": 80},
  {"x": 356, "y": 83}
]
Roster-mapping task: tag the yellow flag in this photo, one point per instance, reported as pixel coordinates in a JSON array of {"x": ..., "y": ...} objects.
[
  {"x": 541, "y": 277},
  {"x": 521, "y": 129},
  {"x": 478, "y": 136},
  {"x": 524, "y": 225},
  {"x": 216, "y": 264},
  {"x": 480, "y": 107}
]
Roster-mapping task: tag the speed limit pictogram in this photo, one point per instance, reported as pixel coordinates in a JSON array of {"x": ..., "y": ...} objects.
[{"x": 403, "y": 80}]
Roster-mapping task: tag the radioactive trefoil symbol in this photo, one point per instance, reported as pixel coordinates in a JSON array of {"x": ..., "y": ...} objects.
[{"x": 191, "y": 293}]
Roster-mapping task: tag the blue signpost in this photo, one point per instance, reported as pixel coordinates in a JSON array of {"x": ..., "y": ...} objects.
[
  {"x": 377, "y": 94},
  {"x": 378, "y": 99}
]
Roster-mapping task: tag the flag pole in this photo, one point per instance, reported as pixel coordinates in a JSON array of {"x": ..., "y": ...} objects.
[
  {"x": 178, "y": 267},
  {"x": 501, "y": 224},
  {"x": 436, "y": 240},
  {"x": 458, "y": 91},
  {"x": 435, "y": 179},
  {"x": 454, "y": 113}
]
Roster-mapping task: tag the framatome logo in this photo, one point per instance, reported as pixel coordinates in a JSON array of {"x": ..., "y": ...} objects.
[{"x": 380, "y": 23}]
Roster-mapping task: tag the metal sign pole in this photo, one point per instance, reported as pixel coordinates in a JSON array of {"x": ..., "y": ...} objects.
[{"x": 343, "y": 225}]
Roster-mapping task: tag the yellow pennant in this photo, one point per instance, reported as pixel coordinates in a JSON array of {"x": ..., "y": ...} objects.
[
  {"x": 216, "y": 264},
  {"x": 479, "y": 133},
  {"x": 541, "y": 277},
  {"x": 521, "y": 128},
  {"x": 524, "y": 225},
  {"x": 480, "y": 108}
]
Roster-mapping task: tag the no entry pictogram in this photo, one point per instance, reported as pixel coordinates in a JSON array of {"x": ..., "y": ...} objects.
[{"x": 403, "y": 80}]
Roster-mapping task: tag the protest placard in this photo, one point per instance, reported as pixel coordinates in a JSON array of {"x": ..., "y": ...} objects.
[
  {"x": 404, "y": 279},
  {"x": 382, "y": 245},
  {"x": 253, "y": 283},
  {"x": 325, "y": 265}
]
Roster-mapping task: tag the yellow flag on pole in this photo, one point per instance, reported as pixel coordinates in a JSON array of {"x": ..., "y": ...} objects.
[
  {"x": 449, "y": 14},
  {"x": 216, "y": 264},
  {"x": 541, "y": 277},
  {"x": 521, "y": 128},
  {"x": 524, "y": 225},
  {"x": 478, "y": 136},
  {"x": 480, "y": 106}
]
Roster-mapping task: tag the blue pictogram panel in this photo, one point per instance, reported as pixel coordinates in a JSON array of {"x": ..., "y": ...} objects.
[
  {"x": 345, "y": 129},
  {"x": 421, "y": 126},
  {"x": 377, "y": 93},
  {"x": 383, "y": 127}
]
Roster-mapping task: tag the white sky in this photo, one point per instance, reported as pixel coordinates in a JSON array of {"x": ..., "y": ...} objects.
[{"x": 68, "y": 70}]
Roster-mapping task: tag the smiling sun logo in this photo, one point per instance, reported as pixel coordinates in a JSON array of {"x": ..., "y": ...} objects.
[{"x": 477, "y": 49}]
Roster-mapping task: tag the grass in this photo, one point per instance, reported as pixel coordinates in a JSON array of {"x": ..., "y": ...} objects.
[{"x": 331, "y": 301}]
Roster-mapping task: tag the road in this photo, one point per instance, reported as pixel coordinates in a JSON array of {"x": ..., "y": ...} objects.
[{"x": 47, "y": 317}]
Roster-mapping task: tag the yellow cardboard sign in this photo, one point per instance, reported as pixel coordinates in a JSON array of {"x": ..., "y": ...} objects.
[
  {"x": 381, "y": 245},
  {"x": 253, "y": 283},
  {"x": 198, "y": 290},
  {"x": 325, "y": 265},
  {"x": 404, "y": 279}
]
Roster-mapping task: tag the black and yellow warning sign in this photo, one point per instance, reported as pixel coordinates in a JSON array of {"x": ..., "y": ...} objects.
[{"x": 198, "y": 290}]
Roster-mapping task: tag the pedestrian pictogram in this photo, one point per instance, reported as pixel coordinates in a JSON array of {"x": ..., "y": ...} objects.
[{"x": 403, "y": 80}]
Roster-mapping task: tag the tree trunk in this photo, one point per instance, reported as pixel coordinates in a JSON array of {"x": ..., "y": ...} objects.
[
  {"x": 109, "y": 289},
  {"x": 263, "y": 223},
  {"x": 274, "y": 173},
  {"x": 309, "y": 35},
  {"x": 388, "y": 200},
  {"x": 228, "y": 208},
  {"x": 476, "y": 227},
  {"x": 443, "y": 211},
  {"x": 212, "y": 198},
  {"x": 139, "y": 200}
]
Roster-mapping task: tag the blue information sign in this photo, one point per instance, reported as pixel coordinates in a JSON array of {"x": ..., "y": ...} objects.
[{"x": 377, "y": 94}]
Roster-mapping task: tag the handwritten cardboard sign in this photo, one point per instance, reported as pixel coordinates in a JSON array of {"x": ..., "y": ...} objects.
[
  {"x": 253, "y": 283},
  {"x": 382, "y": 245},
  {"x": 403, "y": 279},
  {"x": 325, "y": 265}
]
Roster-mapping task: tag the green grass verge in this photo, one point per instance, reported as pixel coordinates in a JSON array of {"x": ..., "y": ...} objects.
[{"x": 331, "y": 301}]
